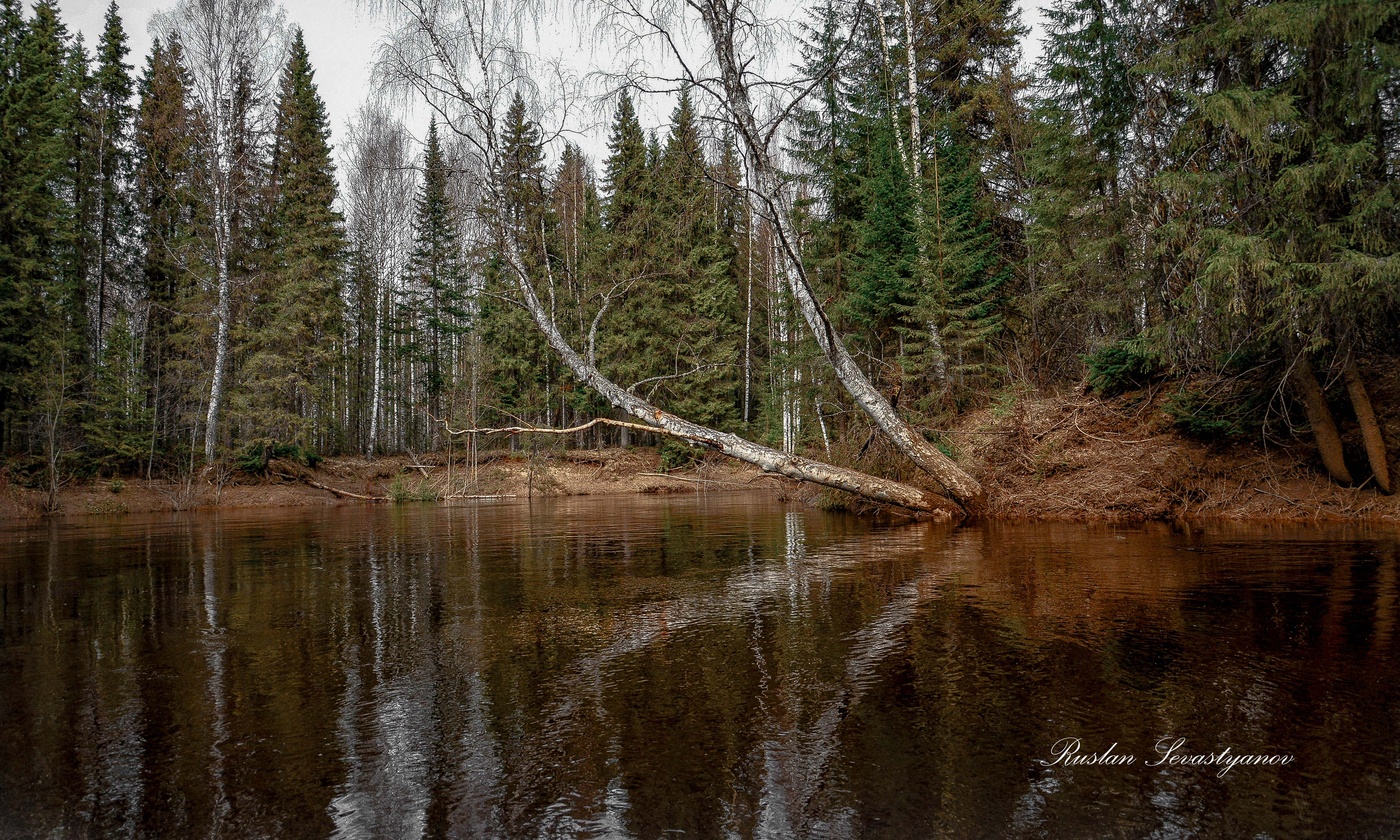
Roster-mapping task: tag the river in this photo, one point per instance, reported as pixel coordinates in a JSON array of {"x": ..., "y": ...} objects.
[{"x": 692, "y": 666}]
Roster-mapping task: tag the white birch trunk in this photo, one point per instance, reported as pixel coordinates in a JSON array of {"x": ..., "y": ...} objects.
[
  {"x": 221, "y": 319},
  {"x": 791, "y": 466},
  {"x": 961, "y": 486}
]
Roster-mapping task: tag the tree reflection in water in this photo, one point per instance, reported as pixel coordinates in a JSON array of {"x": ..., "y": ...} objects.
[{"x": 712, "y": 665}]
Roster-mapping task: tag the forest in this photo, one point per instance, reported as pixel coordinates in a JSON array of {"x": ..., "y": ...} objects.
[{"x": 908, "y": 223}]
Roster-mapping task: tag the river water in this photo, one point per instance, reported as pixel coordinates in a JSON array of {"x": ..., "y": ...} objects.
[{"x": 699, "y": 666}]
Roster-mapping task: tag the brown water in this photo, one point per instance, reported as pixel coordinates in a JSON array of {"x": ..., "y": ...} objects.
[{"x": 701, "y": 666}]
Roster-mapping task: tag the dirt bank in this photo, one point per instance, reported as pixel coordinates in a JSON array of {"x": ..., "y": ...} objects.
[
  {"x": 1071, "y": 456},
  {"x": 356, "y": 479},
  {"x": 1080, "y": 457}
]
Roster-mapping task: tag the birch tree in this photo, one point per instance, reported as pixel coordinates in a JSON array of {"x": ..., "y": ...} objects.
[
  {"x": 467, "y": 66},
  {"x": 735, "y": 37},
  {"x": 228, "y": 45},
  {"x": 378, "y": 194}
]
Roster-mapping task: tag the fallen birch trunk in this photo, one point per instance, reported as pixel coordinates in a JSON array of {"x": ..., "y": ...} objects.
[
  {"x": 657, "y": 421},
  {"x": 720, "y": 22}
]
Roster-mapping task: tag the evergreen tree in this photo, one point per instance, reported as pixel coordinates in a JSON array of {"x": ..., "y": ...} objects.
[
  {"x": 699, "y": 313},
  {"x": 110, "y": 132},
  {"x": 167, "y": 206},
  {"x": 287, "y": 384},
  {"x": 18, "y": 292},
  {"x": 118, "y": 424},
  {"x": 630, "y": 344},
  {"x": 436, "y": 293},
  {"x": 44, "y": 340},
  {"x": 520, "y": 369}
]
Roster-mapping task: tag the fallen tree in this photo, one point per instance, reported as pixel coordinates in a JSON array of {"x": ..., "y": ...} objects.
[
  {"x": 728, "y": 24},
  {"x": 463, "y": 79},
  {"x": 661, "y": 422}
]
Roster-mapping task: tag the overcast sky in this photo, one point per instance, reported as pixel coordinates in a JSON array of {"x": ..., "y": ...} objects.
[{"x": 341, "y": 38}]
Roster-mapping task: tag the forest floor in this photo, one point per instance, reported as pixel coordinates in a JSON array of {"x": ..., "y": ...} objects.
[{"x": 1064, "y": 457}]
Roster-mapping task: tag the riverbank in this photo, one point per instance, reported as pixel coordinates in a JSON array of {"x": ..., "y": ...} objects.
[{"x": 1067, "y": 457}]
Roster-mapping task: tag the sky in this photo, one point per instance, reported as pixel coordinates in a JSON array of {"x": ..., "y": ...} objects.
[{"x": 340, "y": 38}]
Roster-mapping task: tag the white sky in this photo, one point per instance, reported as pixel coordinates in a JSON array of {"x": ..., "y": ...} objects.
[{"x": 341, "y": 38}]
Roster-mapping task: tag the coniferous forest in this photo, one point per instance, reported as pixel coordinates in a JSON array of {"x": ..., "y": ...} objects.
[{"x": 1202, "y": 195}]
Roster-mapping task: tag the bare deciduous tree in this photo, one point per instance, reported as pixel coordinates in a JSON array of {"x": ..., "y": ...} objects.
[
  {"x": 233, "y": 49},
  {"x": 736, "y": 35},
  {"x": 378, "y": 194}
]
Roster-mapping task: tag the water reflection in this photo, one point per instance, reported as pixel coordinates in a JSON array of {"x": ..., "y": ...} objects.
[{"x": 706, "y": 666}]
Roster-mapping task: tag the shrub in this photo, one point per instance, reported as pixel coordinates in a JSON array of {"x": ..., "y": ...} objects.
[
  {"x": 676, "y": 454},
  {"x": 401, "y": 491},
  {"x": 256, "y": 456},
  {"x": 1122, "y": 366},
  {"x": 1213, "y": 418}
]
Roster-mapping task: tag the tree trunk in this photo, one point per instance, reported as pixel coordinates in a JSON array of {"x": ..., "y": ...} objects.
[
  {"x": 961, "y": 486},
  {"x": 221, "y": 316},
  {"x": 380, "y": 316},
  {"x": 1370, "y": 429},
  {"x": 1329, "y": 443},
  {"x": 770, "y": 460}
]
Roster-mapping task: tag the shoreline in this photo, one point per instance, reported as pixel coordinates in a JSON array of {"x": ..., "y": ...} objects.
[{"x": 1069, "y": 457}]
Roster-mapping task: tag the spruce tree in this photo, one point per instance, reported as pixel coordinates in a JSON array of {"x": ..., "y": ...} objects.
[
  {"x": 630, "y": 344},
  {"x": 288, "y": 382},
  {"x": 699, "y": 314},
  {"x": 110, "y": 127},
  {"x": 44, "y": 340},
  {"x": 435, "y": 286},
  {"x": 521, "y": 365},
  {"x": 167, "y": 207}
]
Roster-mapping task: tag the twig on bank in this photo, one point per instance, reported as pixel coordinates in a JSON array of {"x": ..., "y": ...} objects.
[
  {"x": 1108, "y": 440},
  {"x": 692, "y": 480},
  {"x": 319, "y": 486}
]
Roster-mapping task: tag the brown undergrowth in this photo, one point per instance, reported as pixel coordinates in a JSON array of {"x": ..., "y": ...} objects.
[
  {"x": 403, "y": 479},
  {"x": 1079, "y": 457}
]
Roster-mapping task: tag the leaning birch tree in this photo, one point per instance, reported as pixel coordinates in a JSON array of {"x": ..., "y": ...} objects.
[
  {"x": 233, "y": 52},
  {"x": 467, "y": 66},
  {"x": 735, "y": 36}
]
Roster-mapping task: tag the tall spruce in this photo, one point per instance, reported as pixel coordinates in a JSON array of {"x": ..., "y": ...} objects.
[
  {"x": 435, "y": 293},
  {"x": 110, "y": 125},
  {"x": 167, "y": 208},
  {"x": 520, "y": 371},
  {"x": 287, "y": 385}
]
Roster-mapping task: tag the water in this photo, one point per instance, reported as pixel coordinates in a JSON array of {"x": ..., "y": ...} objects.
[{"x": 706, "y": 666}]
